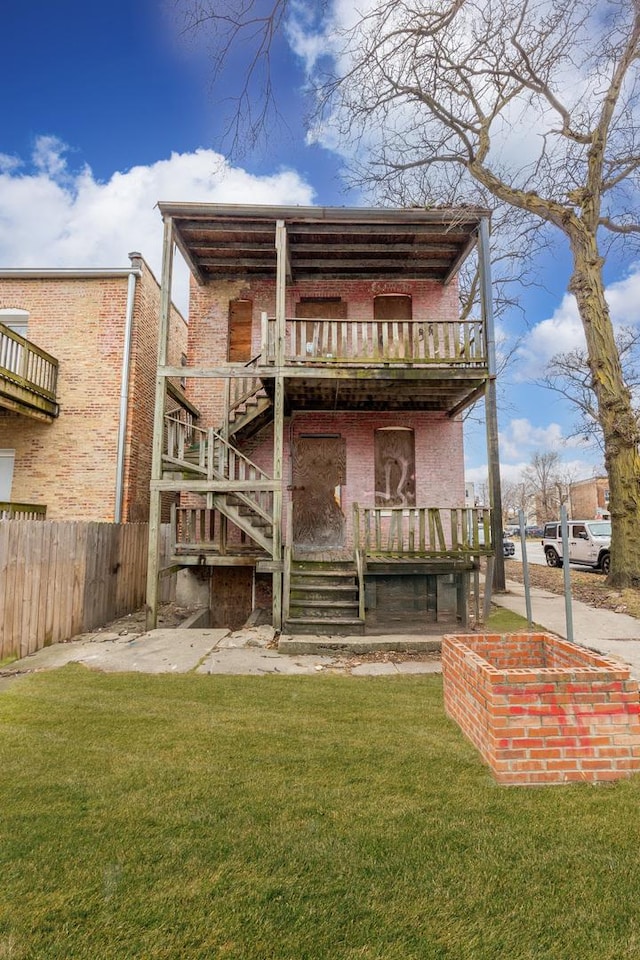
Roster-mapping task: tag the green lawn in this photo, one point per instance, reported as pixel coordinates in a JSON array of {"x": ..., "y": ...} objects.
[{"x": 292, "y": 817}]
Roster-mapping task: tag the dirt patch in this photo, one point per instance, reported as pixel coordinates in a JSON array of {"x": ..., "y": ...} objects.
[
  {"x": 589, "y": 587},
  {"x": 169, "y": 615}
]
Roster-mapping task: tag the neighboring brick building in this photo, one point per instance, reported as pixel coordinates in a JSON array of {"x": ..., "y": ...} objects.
[
  {"x": 331, "y": 370},
  {"x": 589, "y": 499},
  {"x": 78, "y": 352}
]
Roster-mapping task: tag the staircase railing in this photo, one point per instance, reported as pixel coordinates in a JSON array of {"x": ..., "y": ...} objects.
[
  {"x": 210, "y": 454},
  {"x": 360, "y": 574},
  {"x": 240, "y": 389},
  {"x": 286, "y": 577},
  {"x": 185, "y": 442},
  {"x": 230, "y": 464}
]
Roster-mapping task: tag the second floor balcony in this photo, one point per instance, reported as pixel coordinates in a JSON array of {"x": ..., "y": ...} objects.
[
  {"x": 28, "y": 377},
  {"x": 419, "y": 364},
  {"x": 436, "y": 343}
]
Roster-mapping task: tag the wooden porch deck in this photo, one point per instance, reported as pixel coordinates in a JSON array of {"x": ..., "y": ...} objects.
[{"x": 28, "y": 377}]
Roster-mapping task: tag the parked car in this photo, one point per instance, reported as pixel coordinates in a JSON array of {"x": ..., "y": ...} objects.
[
  {"x": 589, "y": 543},
  {"x": 535, "y": 531},
  {"x": 508, "y": 546}
]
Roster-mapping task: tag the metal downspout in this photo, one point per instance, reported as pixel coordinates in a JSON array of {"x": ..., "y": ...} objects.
[{"x": 134, "y": 273}]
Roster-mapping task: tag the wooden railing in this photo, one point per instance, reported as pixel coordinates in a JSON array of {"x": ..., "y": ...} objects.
[
  {"x": 415, "y": 532},
  {"x": 208, "y": 453},
  {"x": 193, "y": 529},
  {"x": 22, "y": 511},
  {"x": 437, "y": 342},
  {"x": 27, "y": 365}
]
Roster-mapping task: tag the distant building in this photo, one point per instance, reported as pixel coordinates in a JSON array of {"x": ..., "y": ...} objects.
[{"x": 590, "y": 499}]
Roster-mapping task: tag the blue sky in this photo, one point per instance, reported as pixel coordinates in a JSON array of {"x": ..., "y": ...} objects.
[{"x": 107, "y": 109}]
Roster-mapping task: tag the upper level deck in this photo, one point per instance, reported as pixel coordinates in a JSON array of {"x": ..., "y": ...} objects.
[
  {"x": 28, "y": 377},
  {"x": 371, "y": 351},
  {"x": 378, "y": 364}
]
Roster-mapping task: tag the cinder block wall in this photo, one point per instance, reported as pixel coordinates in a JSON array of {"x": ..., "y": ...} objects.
[
  {"x": 70, "y": 464},
  {"x": 542, "y": 710}
]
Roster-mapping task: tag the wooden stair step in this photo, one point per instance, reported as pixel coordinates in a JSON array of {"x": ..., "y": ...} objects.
[
  {"x": 328, "y": 604},
  {"x": 324, "y": 587},
  {"x": 336, "y": 625}
]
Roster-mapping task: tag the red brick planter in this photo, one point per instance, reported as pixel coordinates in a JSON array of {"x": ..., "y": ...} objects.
[{"x": 542, "y": 710}]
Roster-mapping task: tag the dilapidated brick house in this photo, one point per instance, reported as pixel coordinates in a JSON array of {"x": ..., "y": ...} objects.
[{"x": 330, "y": 370}]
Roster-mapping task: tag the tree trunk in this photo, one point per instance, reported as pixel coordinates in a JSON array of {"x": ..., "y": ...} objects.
[{"x": 615, "y": 412}]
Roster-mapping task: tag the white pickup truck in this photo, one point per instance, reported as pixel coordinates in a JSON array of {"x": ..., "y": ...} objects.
[{"x": 589, "y": 543}]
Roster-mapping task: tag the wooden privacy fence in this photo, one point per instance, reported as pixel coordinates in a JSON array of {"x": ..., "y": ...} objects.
[{"x": 58, "y": 579}]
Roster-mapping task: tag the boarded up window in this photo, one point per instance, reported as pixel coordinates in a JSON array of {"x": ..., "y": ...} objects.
[
  {"x": 392, "y": 307},
  {"x": 240, "y": 316},
  {"x": 395, "y": 468},
  {"x": 321, "y": 308}
]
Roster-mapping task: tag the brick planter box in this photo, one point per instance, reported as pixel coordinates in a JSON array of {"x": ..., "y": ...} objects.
[{"x": 542, "y": 710}]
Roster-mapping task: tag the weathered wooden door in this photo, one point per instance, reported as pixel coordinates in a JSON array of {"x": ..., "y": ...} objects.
[{"x": 319, "y": 470}]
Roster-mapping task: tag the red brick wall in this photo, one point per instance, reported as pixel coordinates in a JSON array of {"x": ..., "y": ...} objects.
[
  {"x": 438, "y": 440},
  {"x": 438, "y": 451},
  {"x": 541, "y": 710},
  {"x": 70, "y": 464}
]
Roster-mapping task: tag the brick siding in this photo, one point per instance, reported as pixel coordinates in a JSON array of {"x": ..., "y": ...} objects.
[{"x": 70, "y": 464}]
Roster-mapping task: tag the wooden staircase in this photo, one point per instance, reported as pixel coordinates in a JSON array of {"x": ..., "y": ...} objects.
[
  {"x": 248, "y": 406},
  {"x": 210, "y": 454},
  {"x": 323, "y": 597}
]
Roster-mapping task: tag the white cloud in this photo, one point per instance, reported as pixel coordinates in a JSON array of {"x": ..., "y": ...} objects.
[
  {"x": 522, "y": 438},
  {"x": 563, "y": 330},
  {"x": 54, "y": 216}
]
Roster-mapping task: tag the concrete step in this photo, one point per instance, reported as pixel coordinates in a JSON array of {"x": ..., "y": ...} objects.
[{"x": 324, "y": 645}]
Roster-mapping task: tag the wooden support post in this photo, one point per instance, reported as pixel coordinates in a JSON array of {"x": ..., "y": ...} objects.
[
  {"x": 153, "y": 561},
  {"x": 278, "y": 416},
  {"x": 491, "y": 411}
]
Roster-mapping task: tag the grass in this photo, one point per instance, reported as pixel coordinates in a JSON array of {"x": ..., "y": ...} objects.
[
  {"x": 291, "y": 818},
  {"x": 502, "y": 620}
]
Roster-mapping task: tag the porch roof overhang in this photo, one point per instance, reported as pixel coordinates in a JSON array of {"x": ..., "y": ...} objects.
[{"x": 237, "y": 242}]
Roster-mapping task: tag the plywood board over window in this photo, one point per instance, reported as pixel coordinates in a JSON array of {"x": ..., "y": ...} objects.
[
  {"x": 395, "y": 467},
  {"x": 392, "y": 306},
  {"x": 240, "y": 321},
  {"x": 321, "y": 308}
]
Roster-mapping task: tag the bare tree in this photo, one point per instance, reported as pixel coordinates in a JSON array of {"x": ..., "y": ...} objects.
[
  {"x": 544, "y": 485},
  {"x": 568, "y": 375},
  {"x": 533, "y": 102},
  {"x": 516, "y": 496}
]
